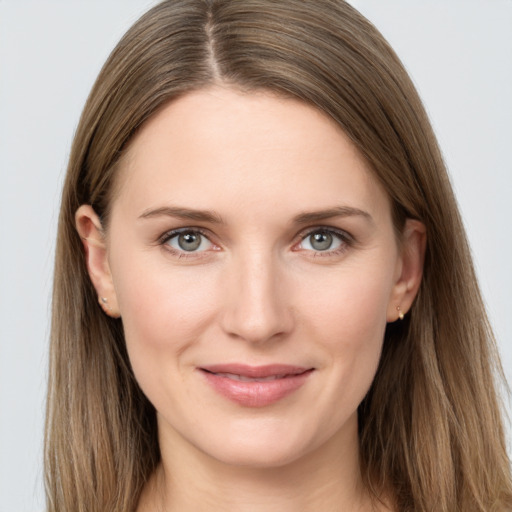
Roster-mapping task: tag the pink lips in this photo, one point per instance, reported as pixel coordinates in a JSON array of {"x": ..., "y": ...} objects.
[{"x": 255, "y": 386}]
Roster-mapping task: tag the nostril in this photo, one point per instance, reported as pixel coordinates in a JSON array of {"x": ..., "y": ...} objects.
[
  {"x": 256, "y": 307},
  {"x": 256, "y": 324}
]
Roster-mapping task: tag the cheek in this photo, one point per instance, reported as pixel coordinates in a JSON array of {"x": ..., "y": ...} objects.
[
  {"x": 354, "y": 300},
  {"x": 164, "y": 310},
  {"x": 348, "y": 319}
]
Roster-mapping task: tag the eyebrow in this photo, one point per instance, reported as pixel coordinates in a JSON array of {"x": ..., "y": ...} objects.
[
  {"x": 215, "y": 218},
  {"x": 183, "y": 213},
  {"x": 330, "y": 213}
]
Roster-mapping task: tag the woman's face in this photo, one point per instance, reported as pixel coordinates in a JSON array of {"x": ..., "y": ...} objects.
[{"x": 253, "y": 261}]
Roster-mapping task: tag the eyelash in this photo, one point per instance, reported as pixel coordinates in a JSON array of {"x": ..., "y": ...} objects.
[
  {"x": 169, "y": 235},
  {"x": 346, "y": 241}
]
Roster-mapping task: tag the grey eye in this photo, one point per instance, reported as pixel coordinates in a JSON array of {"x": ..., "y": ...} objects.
[
  {"x": 321, "y": 240},
  {"x": 189, "y": 241}
]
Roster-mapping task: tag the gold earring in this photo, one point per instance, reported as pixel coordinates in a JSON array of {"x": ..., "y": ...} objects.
[{"x": 400, "y": 313}]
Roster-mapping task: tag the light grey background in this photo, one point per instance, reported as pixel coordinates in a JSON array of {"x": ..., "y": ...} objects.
[{"x": 458, "y": 52}]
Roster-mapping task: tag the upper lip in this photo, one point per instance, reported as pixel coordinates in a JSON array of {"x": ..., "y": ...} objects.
[{"x": 257, "y": 372}]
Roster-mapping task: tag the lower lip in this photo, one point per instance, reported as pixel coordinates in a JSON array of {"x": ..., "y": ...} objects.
[{"x": 256, "y": 394}]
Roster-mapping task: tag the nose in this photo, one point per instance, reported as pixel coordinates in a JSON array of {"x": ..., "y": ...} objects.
[{"x": 257, "y": 305}]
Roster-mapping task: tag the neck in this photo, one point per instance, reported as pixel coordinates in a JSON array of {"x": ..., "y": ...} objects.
[{"x": 326, "y": 479}]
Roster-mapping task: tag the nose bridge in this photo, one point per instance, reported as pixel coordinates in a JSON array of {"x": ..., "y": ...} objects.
[{"x": 257, "y": 307}]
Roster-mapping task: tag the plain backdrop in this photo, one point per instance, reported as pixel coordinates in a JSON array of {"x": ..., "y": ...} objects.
[{"x": 459, "y": 54}]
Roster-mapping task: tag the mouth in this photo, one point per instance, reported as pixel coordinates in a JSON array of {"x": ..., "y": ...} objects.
[
  {"x": 255, "y": 386},
  {"x": 244, "y": 378}
]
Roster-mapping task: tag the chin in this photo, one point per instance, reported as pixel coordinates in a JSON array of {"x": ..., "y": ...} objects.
[
  {"x": 258, "y": 456},
  {"x": 264, "y": 446}
]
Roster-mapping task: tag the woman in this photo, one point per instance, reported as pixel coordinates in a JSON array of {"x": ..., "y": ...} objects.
[{"x": 264, "y": 298}]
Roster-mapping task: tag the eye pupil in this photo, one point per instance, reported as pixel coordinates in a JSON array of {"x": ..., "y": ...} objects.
[
  {"x": 321, "y": 241},
  {"x": 189, "y": 241}
]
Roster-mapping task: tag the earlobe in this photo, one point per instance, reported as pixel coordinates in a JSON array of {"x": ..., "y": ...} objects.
[
  {"x": 412, "y": 257},
  {"x": 89, "y": 228}
]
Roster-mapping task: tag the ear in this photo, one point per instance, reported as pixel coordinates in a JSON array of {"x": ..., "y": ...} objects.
[
  {"x": 89, "y": 228},
  {"x": 409, "y": 269}
]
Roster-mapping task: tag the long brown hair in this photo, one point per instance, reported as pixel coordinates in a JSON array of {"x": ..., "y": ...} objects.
[{"x": 431, "y": 431}]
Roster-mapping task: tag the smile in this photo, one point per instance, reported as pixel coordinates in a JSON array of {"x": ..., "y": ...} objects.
[
  {"x": 255, "y": 386},
  {"x": 244, "y": 378}
]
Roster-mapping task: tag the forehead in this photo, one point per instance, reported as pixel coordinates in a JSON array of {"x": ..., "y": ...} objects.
[{"x": 252, "y": 149}]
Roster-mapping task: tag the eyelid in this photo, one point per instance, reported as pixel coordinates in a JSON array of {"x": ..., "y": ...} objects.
[
  {"x": 180, "y": 253},
  {"x": 165, "y": 237},
  {"x": 346, "y": 238},
  {"x": 345, "y": 235}
]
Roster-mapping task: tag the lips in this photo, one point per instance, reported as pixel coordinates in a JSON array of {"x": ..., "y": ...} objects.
[
  {"x": 255, "y": 386},
  {"x": 244, "y": 378}
]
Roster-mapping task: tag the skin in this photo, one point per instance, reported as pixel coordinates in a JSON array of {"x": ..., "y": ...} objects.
[{"x": 257, "y": 291}]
